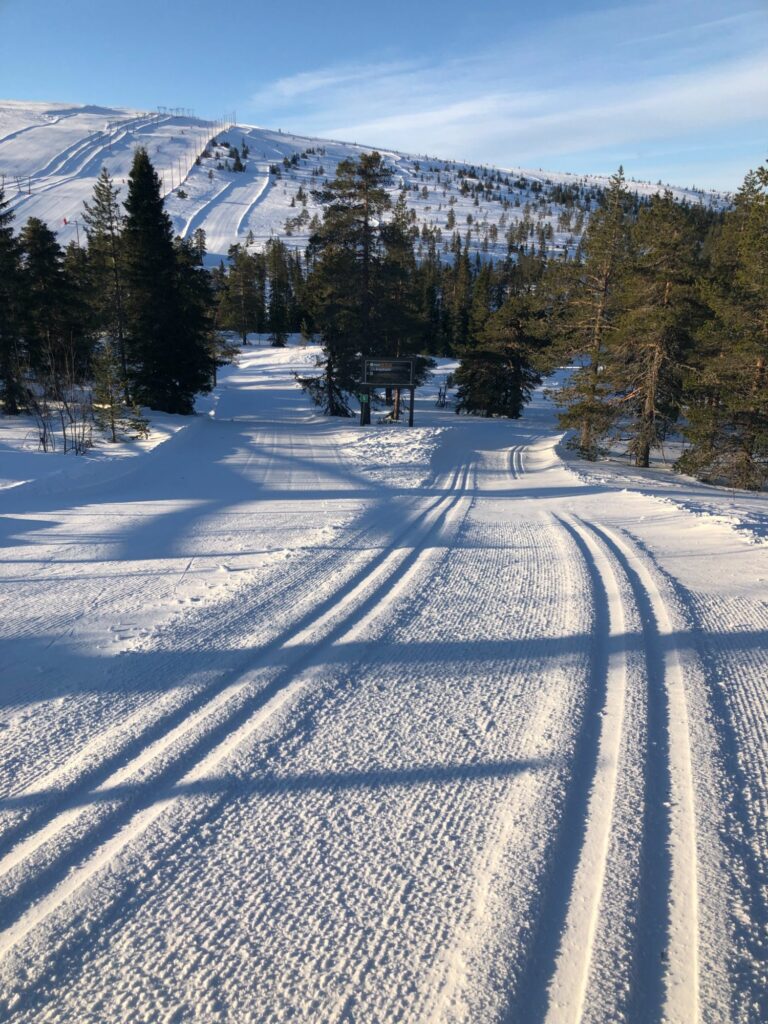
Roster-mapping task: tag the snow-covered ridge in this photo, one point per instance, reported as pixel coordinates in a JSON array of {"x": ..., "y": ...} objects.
[{"x": 51, "y": 155}]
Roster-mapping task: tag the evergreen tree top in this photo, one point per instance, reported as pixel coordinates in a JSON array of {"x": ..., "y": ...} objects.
[{"x": 144, "y": 203}]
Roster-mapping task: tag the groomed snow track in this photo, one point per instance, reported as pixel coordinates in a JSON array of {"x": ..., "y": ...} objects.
[{"x": 289, "y": 738}]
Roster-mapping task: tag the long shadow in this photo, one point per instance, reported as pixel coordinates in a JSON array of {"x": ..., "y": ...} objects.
[
  {"x": 645, "y": 1003},
  {"x": 273, "y": 783},
  {"x": 299, "y": 659},
  {"x": 530, "y": 1002},
  {"x": 740, "y": 838},
  {"x": 168, "y": 474},
  {"x": 121, "y": 905},
  {"x": 153, "y": 671}
]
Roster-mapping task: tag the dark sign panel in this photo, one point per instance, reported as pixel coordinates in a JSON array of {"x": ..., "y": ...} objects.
[{"x": 389, "y": 372}]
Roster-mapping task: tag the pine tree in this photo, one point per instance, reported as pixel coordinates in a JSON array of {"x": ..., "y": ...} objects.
[
  {"x": 397, "y": 307},
  {"x": 588, "y": 296},
  {"x": 168, "y": 328},
  {"x": 726, "y": 390},
  {"x": 12, "y": 359},
  {"x": 654, "y": 332},
  {"x": 344, "y": 255}
]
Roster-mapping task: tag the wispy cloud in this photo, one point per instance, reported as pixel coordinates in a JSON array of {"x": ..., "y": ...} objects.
[
  {"x": 590, "y": 84},
  {"x": 306, "y": 84}
]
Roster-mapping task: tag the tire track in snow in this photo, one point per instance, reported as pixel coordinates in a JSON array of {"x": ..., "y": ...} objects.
[{"x": 134, "y": 814}]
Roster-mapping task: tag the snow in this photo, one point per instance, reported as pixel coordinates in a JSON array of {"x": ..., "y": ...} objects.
[
  {"x": 51, "y": 155},
  {"x": 307, "y": 721}
]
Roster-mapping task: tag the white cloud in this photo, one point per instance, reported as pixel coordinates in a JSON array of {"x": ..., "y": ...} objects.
[{"x": 591, "y": 83}]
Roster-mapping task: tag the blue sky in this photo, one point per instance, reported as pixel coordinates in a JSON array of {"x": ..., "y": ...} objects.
[{"x": 675, "y": 90}]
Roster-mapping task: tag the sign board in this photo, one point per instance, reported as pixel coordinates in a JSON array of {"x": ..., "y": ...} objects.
[{"x": 389, "y": 373}]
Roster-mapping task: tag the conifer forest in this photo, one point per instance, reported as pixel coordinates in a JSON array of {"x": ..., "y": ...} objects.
[{"x": 660, "y": 306}]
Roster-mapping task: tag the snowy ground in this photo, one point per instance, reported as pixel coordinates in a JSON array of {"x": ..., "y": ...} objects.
[
  {"x": 313, "y": 723},
  {"x": 51, "y": 156}
]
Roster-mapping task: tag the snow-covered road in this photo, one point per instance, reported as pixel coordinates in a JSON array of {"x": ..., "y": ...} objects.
[{"x": 303, "y": 722}]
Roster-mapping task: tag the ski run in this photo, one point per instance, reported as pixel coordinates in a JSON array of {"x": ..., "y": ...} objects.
[
  {"x": 50, "y": 158},
  {"x": 304, "y": 721}
]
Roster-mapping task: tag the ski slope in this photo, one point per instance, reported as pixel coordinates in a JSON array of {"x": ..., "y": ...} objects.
[
  {"x": 50, "y": 158},
  {"x": 313, "y": 723}
]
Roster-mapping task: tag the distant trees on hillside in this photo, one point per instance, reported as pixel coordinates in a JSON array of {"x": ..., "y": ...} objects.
[{"x": 660, "y": 306}]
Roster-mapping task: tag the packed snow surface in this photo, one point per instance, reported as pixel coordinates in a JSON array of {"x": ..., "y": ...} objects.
[{"x": 303, "y": 721}]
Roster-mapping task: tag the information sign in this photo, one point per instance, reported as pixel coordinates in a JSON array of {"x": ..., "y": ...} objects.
[{"x": 389, "y": 373}]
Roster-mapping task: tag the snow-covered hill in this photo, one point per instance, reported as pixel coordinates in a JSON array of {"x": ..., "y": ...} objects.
[{"x": 50, "y": 156}]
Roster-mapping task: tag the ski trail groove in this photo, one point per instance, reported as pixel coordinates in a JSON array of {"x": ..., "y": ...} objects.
[
  {"x": 301, "y": 582},
  {"x": 132, "y": 817},
  {"x": 681, "y": 981},
  {"x": 568, "y": 990},
  {"x": 257, "y": 199},
  {"x": 169, "y": 728},
  {"x": 530, "y": 1001},
  {"x": 516, "y": 467}
]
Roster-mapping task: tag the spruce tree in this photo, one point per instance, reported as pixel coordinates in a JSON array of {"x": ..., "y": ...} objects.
[
  {"x": 499, "y": 371},
  {"x": 44, "y": 286},
  {"x": 427, "y": 285},
  {"x": 459, "y": 297},
  {"x": 241, "y": 300},
  {"x": 168, "y": 325},
  {"x": 279, "y": 279},
  {"x": 103, "y": 224},
  {"x": 12, "y": 359},
  {"x": 111, "y": 411}
]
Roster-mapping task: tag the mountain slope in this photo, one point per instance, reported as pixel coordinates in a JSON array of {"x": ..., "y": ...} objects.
[{"x": 50, "y": 156}]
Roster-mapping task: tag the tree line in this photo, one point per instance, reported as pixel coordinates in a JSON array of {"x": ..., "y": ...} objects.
[
  {"x": 662, "y": 311},
  {"x": 132, "y": 311}
]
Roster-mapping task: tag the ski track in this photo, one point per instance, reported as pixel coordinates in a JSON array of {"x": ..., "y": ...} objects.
[
  {"x": 568, "y": 990},
  {"x": 71, "y": 162},
  {"x": 470, "y": 754},
  {"x": 197, "y": 218},
  {"x": 250, "y": 207},
  {"x": 236, "y": 730}
]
